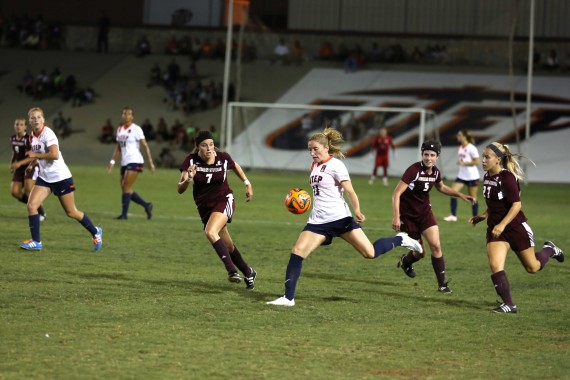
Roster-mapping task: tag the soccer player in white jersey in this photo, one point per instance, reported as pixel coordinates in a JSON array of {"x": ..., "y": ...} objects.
[
  {"x": 468, "y": 159},
  {"x": 54, "y": 177},
  {"x": 331, "y": 216},
  {"x": 130, "y": 139}
]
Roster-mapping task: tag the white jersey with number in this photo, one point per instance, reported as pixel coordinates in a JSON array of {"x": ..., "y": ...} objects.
[
  {"x": 51, "y": 171},
  {"x": 468, "y": 153},
  {"x": 328, "y": 200},
  {"x": 129, "y": 140}
]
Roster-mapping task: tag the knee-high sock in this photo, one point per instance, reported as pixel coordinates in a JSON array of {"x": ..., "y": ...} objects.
[
  {"x": 409, "y": 259},
  {"x": 475, "y": 208},
  {"x": 34, "y": 223},
  {"x": 88, "y": 224},
  {"x": 544, "y": 255},
  {"x": 292, "y": 275},
  {"x": 126, "y": 200},
  {"x": 23, "y": 199},
  {"x": 238, "y": 260},
  {"x": 135, "y": 197},
  {"x": 384, "y": 245},
  {"x": 453, "y": 205},
  {"x": 224, "y": 255},
  {"x": 438, "y": 265},
  {"x": 502, "y": 287}
]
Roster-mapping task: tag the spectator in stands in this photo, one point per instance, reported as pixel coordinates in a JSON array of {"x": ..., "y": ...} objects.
[
  {"x": 27, "y": 86},
  {"x": 551, "y": 62},
  {"x": 206, "y": 49},
  {"x": 281, "y": 53},
  {"x": 69, "y": 88},
  {"x": 155, "y": 76},
  {"x": 142, "y": 47},
  {"x": 162, "y": 130},
  {"x": 166, "y": 159},
  {"x": 148, "y": 130},
  {"x": 32, "y": 41},
  {"x": 172, "y": 46},
  {"x": 326, "y": 52},
  {"x": 60, "y": 126},
  {"x": 103, "y": 33},
  {"x": 56, "y": 81},
  {"x": 297, "y": 53},
  {"x": 83, "y": 96},
  {"x": 107, "y": 133},
  {"x": 375, "y": 53}
]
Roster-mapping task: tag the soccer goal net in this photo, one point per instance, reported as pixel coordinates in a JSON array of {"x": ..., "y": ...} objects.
[{"x": 274, "y": 136}]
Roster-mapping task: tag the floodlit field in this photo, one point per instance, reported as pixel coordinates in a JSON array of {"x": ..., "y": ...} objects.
[{"x": 155, "y": 302}]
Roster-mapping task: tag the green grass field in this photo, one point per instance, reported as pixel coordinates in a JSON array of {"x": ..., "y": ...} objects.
[{"x": 155, "y": 302}]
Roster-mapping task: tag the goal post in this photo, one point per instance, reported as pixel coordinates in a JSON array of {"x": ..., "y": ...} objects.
[{"x": 273, "y": 135}]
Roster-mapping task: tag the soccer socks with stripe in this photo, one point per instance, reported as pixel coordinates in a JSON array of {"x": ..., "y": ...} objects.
[
  {"x": 453, "y": 204},
  {"x": 89, "y": 226},
  {"x": 224, "y": 255},
  {"x": 502, "y": 287},
  {"x": 34, "y": 223},
  {"x": 384, "y": 245},
  {"x": 292, "y": 275},
  {"x": 239, "y": 262},
  {"x": 438, "y": 265}
]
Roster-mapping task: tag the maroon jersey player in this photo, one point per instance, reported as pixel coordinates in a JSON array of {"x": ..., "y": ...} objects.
[
  {"x": 381, "y": 145},
  {"x": 207, "y": 169},
  {"x": 23, "y": 177},
  {"x": 412, "y": 213},
  {"x": 507, "y": 226}
]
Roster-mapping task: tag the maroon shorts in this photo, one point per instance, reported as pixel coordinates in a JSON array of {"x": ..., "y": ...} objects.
[
  {"x": 519, "y": 236},
  {"x": 382, "y": 161},
  {"x": 415, "y": 226},
  {"x": 21, "y": 174},
  {"x": 226, "y": 206}
]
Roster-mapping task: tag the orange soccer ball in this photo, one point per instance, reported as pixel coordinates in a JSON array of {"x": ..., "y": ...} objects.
[{"x": 297, "y": 201}]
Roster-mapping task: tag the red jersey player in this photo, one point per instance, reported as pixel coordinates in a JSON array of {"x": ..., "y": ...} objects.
[{"x": 382, "y": 145}]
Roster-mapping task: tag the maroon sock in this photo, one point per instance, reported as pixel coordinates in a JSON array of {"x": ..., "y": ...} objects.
[
  {"x": 409, "y": 259},
  {"x": 438, "y": 265},
  {"x": 224, "y": 255},
  {"x": 240, "y": 262},
  {"x": 502, "y": 287},
  {"x": 544, "y": 255}
]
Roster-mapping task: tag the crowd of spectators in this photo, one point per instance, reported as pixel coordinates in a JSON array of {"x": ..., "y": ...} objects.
[{"x": 25, "y": 32}]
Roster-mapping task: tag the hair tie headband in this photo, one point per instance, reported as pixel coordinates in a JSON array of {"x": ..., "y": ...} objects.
[{"x": 497, "y": 151}]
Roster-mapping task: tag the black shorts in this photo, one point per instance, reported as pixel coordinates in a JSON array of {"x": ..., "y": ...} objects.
[
  {"x": 60, "y": 188},
  {"x": 472, "y": 183}
]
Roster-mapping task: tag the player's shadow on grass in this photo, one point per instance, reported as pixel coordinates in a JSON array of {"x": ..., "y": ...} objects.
[{"x": 380, "y": 290}]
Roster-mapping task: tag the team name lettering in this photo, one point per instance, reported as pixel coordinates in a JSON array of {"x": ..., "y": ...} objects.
[
  {"x": 208, "y": 170},
  {"x": 316, "y": 178},
  {"x": 426, "y": 179},
  {"x": 491, "y": 183}
]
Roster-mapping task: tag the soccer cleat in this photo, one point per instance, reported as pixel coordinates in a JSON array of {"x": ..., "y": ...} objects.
[
  {"x": 31, "y": 245},
  {"x": 282, "y": 301},
  {"x": 385, "y": 181},
  {"x": 43, "y": 217},
  {"x": 250, "y": 280},
  {"x": 445, "y": 289},
  {"x": 408, "y": 270},
  {"x": 98, "y": 239},
  {"x": 411, "y": 244},
  {"x": 504, "y": 308},
  {"x": 121, "y": 217},
  {"x": 450, "y": 218},
  {"x": 234, "y": 277},
  {"x": 148, "y": 210},
  {"x": 558, "y": 253}
]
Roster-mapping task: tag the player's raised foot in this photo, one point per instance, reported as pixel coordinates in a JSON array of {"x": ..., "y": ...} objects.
[
  {"x": 408, "y": 269},
  {"x": 98, "y": 239},
  {"x": 234, "y": 277},
  {"x": 450, "y": 218},
  {"x": 43, "y": 217},
  {"x": 121, "y": 217},
  {"x": 282, "y": 301},
  {"x": 250, "y": 280},
  {"x": 30, "y": 245},
  {"x": 148, "y": 210},
  {"x": 444, "y": 288},
  {"x": 558, "y": 253},
  {"x": 504, "y": 308},
  {"x": 411, "y": 244}
]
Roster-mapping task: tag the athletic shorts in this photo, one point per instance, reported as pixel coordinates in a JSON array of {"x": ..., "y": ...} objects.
[
  {"x": 519, "y": 236},
  {"x": 19, "y": 174},
  {"x": 226, "y": 206},
  {"x": 132, "y": 167},
  {"x": 60, "y": 188},
  {"x": 473, "y": 183},
  {"x": 382, "y": 161},
  {"x": 415, "y": 226},
  {"x": 333, "y": 229}
]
